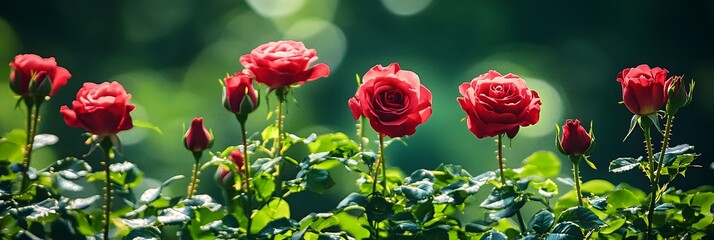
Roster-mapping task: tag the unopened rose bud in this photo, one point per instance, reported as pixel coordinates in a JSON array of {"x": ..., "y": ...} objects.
[
  {"x": 197, "y": 138},
  {"x": 678, "y": 95},
  {"x": 575, "y": 140},
  {"x": 239, "y": 96}
]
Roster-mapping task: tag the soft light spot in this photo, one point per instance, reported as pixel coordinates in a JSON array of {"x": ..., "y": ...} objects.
[
  {"x": 406, "y": 7},
  {"x": 275, "y": 8},
  {"x": 328, "y": 39},
  {"x": 550, "y": 111}
]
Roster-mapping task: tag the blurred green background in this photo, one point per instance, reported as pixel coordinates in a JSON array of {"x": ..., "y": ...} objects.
[{"x": 169, "y": 54}]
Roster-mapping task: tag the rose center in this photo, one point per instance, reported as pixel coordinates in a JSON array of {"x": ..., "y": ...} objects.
[
  {"x": 394, "y": 97},
  {"x": 497, "y": 91}
]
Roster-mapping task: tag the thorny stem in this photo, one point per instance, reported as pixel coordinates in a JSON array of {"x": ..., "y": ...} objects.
[
  {"x": 361, "y": 135},
  {"x": 380, "y": 162},
  {"x": 107, "y": 146},
  {"x": 384, "y": 163},
  {"x": 194, "y": 178},
  {"x": 576, "y": 177},
  {"x": 246, "y": 179},
  {"x": 33, "y": 116},
  {"x": 650, "y": 157},
  {"x": 656, "y": 176},
  {"x": 521, "y": 224}
]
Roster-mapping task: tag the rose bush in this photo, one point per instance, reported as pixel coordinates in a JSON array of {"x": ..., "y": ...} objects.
[
  {"x": 283, "y": 63},
  {"x": 644, "y": 89},
  {"x": 393, "y": 100},
  {"x": 101, "y": 109},
  {"x": 30, "y": 71},
  {"x": 497, "y": 104}
]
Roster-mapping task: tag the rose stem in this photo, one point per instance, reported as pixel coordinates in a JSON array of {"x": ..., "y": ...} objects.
[
  {"x": 196, "y": 171},
  {"x": 32, "y": 119},
  {"x": 576, "y": 176},
  {"x": 521, "y": 224},
  {"x": 655, "y": 183},
  {"x": 380, "y": 162},
  {"x": 246, "y": 166},
  {"x": 650, "y": 157},
  {"x": 107, "y": 147}
]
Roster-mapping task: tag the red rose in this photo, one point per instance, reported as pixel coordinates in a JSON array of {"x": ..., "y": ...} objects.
[
  {"x": 30, "y": 71},
  {"x": 101, "y": 109},
  {"x": 239, "y": 96},
  {"x": 575, "y": 140},
  {"x": 283, "y": 63},
  {"x": 496, "y": 104},
  {"x": 393, "y": 100},
  {"x": 643, "y": 89},
  {"x": 197, "y": 138}
]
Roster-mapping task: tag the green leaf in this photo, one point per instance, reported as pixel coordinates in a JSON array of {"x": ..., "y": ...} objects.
[
  {"x": 270, "y": 132},
  {"x": 70, "y": 168},
  {"x": 508, "y": 211},
  {"x": 318, "y": 180},
  {"x": 275, "y": 209},
  {"x": 672, "y": 152},
  {"x": 542, "y": 163},
  {"x": 542, "y": 221},
  {"x": 147, "y": 125},
  {"x": 82, "y": 203},
  {"x": 581, "y": 216},
  {"x": 172, "y": 216},
  {"x": 704, "y": 200},
  {"x": 613, "y": 225},
  {"x": 546, "y": 188},
  {"x": 43, "y": 140},
  {"x": 42, "y": 211},
  {"x": 500, "y": 198},
  {"x": 264, "y": 186},
  {"x": 277, "y": 227},
  {"x": 152, "y": 194},
  {"x": 418, "y": 186},
  {"x": 566, "y": 231},
  {"x": 494, "y": 235},
  {"x": 624, "y": 164},
  {"x": 146, "y": 232},
  {"x": 622, "y": 198}
]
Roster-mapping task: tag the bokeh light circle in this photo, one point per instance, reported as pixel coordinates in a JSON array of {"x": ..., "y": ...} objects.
[
  {"x": 406, "y": 7},
  {"x": 275, "y": 8},
  {"x": 328, "y": 39}
]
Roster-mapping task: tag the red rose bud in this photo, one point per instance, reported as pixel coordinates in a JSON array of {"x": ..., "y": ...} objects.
[
  {"x": 237, "y": 158},
  {"x": 393, "y": 100},
  {"x": 239, "y": 96},
  {"x": 283, "y": 63},
  {"x": 496, "y": 104},
  {"x": 101, "y": 109},
  {"x": 197, "y": 138},
  {"x": 225, "y": 176},
  {"x": 575, "y": 140},
  {"x": 678, "y": 95},
  {"x": 34, "y": 76},
  {"x": 644, "y": 89}
]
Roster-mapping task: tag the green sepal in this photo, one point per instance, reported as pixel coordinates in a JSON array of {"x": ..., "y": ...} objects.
[
  {"x": 557, "y": 139},
  {"x": 633, "y": 122}
]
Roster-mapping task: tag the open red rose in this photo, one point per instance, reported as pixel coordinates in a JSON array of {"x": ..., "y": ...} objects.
[
  {"x": 283, "y": 63},
  {"x": 101, "y": 109},
  {"x": 644, "y": 89},
  {"x": 393, "y": 100},
  {"x": 496, "y": 104},
  {"x": 30, "y": 71},
  {"x": 575, "y": 140}
]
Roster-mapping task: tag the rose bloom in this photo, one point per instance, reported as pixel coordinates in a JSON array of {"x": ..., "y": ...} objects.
[
  {"x": 29, "y": 72},
  {"x": 101, "y": 109},
  {"x": 197, "y": 138},
  {"x": 575, "y": 140},
  {"x": 239, "y": 96},
  {"x": 496, "y": 104},
  {"x": 644, "y": 89},
  {"x": 283, "y": 63},
  {"x": 393, "y": 100}
]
